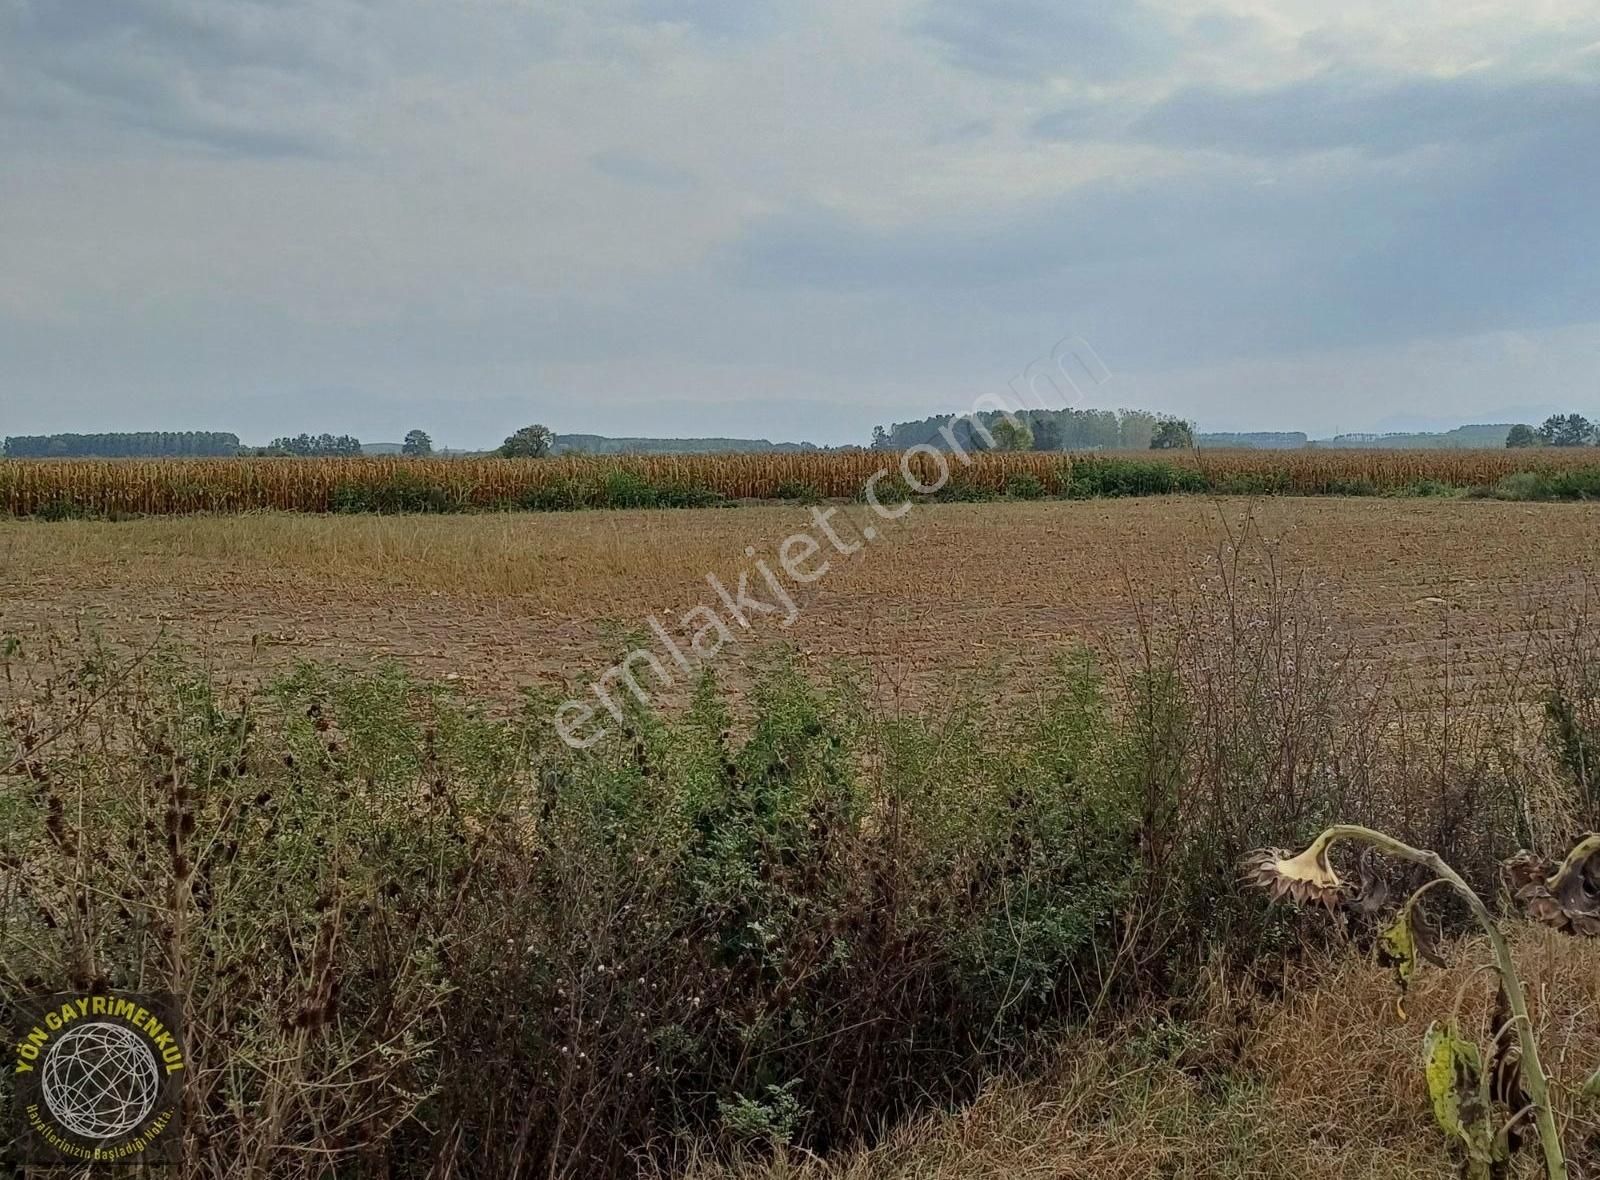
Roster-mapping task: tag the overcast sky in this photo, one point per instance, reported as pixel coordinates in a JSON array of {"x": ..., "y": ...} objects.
[{"x": 791, "y": 220}]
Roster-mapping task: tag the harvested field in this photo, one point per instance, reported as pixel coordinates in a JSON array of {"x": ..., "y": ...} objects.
[{"x": 1433, "y": 587}]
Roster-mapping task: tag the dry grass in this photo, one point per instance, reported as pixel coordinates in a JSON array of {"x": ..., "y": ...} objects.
[
  {"x": 546, "y": 560},
  {"x": 172, "y": 486},
  {"x": 1052, "y": 552},
  {"x": 1325, "y": 1084}
]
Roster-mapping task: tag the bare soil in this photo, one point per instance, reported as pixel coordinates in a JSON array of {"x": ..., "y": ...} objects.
[{"x": 1445, "y": 592}]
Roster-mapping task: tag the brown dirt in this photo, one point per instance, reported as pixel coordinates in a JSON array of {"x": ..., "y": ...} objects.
[{"x": 499, "y": 602}]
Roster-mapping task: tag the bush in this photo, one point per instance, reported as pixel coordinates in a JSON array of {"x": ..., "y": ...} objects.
[
  {"x": 559, "y": 495},
  {"x": 1352, "y": 487},
  {"x": 891, "y": 489},
  {"x": 1094, "y": 476},
  {"x": 685, "y": 495},
  {"x": 1430, "y": 489},
  {"x": 961, "y": 488},
  {"x": 62, "y": 507},
  {"x": 1025, "y": 487},
  {"x": 624, "y": 489},
  {"x": 801, "y": 493},
  {"x": 1580, "y": 483},
  {"x": 396, "y": 494},
  {"x": 1253, "y": 483},
  {"x": 711, "y": 934},
  {"x": 615, "y": 489}
]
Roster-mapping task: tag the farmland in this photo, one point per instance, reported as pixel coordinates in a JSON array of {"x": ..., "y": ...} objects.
[
  {"x": 1432, "y": 587},
  {"x": 977, "y": 812},
  {"x": 67, "y": 488}
]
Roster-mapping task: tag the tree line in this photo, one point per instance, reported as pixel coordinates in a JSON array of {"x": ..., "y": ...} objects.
[
  {"x": 310, "y": 446},
  {"x": 148, "y": 444},
  {"x": 529, "y": 442},
  {"x": 1559, "y": 430},
  {"x": 1030, "y": 430},
  {"x": 1041, "y": 430}
]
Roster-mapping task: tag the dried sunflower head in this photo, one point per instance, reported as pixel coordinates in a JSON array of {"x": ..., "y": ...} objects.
[
  {"x": 1525, "y": 869},
  {"x": 1304, "y": 878},
  {"x": 1564, "y": 896}
]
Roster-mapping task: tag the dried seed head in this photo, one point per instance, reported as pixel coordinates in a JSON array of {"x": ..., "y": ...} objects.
[
  {"x": 1525, "y": 869},
  {"x": 1563, "y": 896},
  {"x": 1300, "y": 879}
]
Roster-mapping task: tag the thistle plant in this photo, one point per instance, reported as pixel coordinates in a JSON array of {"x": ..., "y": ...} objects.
[{"x": 1470, "y": 1091}]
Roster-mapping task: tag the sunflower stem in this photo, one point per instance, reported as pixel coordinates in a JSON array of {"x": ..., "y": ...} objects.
[{"x": 1533, "y": 1074}]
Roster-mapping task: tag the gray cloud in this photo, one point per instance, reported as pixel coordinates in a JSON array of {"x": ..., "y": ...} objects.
[
  {"x": 632, "y": 169},
  {"x": 1219, "y": 28},
  {"x": 733, "y": 19},
  {"x": 1026, "y": 40},
  {"x": 963, "y": 133},
  {"x": 1083, "y": 120},
  {"x": 229, "y": 78},
  {"x": 262, "y": 33},
  {"x": 1214, "y": 263},
  {"x": 1370, "y": 114}
]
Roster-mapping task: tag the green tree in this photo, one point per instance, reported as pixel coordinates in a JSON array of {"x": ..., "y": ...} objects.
[
  {"x": 321, "y": 446},
  {"x": 142, "y": 445},
  {"x": 1522, "y": 436},
  {"x": 1012, "y": 434},
  {"x": 1047, "y": 433},
  {"x": 1172, "y": 434},
  {"x": 1566, "y": 430},
  {"x": 417, "y": 444},
  {"x": 531, "y": 442},
  {"x": 1135, "y": 430}
]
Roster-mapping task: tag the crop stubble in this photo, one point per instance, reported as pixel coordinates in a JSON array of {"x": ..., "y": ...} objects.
[{"x": 1433, "y": 588}]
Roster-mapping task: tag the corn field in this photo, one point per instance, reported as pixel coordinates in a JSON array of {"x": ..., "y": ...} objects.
[
  {"x": 112, "y": 487},
  {"x": 1319, "y": 472}
]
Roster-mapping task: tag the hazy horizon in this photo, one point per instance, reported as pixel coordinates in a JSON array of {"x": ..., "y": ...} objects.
[{"x": 1399, "y": 425}]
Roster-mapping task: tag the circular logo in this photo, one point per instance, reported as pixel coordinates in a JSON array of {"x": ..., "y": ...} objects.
[{"x": 100, "y": 1080}]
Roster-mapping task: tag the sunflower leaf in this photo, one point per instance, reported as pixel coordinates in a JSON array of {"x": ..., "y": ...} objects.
[
  {"x": 1397, "y": 945},
  {"x": 1455, "y": 1083}
]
